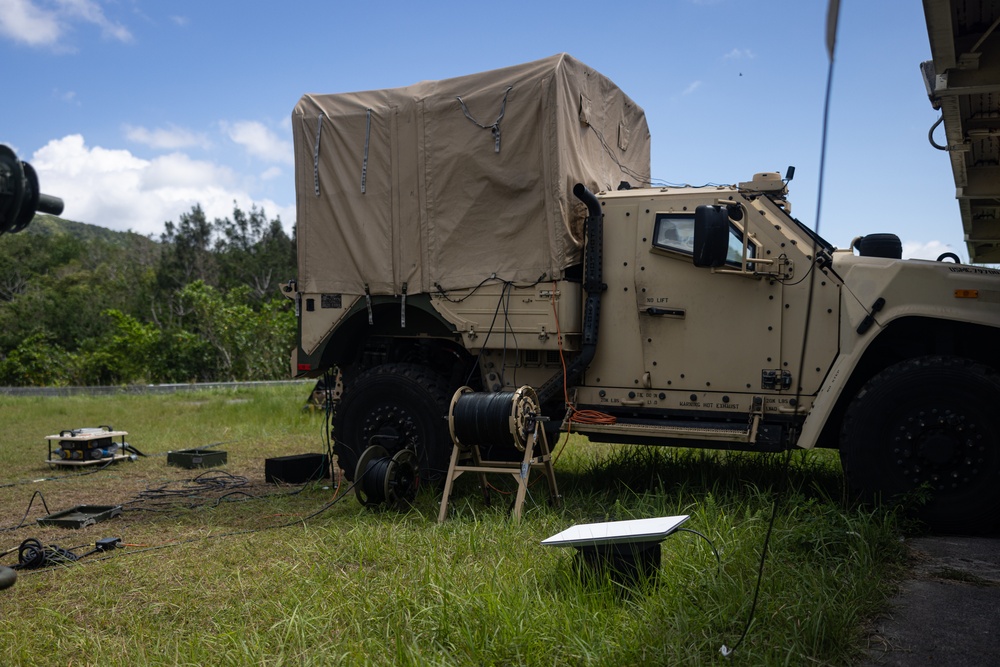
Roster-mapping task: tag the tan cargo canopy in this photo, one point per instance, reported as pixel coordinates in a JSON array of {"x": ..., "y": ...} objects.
[{"x": 444, "y": 183}]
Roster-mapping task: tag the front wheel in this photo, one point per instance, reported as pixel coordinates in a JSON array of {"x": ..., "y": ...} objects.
[
  {"x": 395, "y": 406},
  {"x": 930, "y": 424}
]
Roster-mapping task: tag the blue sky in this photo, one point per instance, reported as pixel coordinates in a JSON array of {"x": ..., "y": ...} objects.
[{"x": 134, "y": 110}]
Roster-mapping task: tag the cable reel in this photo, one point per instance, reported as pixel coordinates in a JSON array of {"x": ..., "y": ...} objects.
[
  {"x": 498, "y": 419},
  {"x": 383, "y": 480}
]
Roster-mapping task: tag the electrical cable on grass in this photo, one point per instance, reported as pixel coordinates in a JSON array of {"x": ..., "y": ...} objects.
[
  {"x": 21, "y": 524},
  {"x": 170, "y": 493},
  {"x": 718, "y": 558},
  {"x": 234, "y": 533},
  {"x": 834, "y": 9},
  {"x": 168, "y": 497}
]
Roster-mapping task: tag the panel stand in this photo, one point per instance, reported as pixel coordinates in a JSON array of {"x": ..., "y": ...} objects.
[
  {"x": 470, "y": 460},
  {"x": 627, "y": 551}
]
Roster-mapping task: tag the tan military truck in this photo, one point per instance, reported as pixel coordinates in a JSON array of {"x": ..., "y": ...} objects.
[{"x": 498, "y": 230}]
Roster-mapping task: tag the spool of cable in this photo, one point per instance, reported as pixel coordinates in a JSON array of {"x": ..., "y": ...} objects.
[
  {"x": 499, "y": 419},
  {"x": 381, "y": 480}
]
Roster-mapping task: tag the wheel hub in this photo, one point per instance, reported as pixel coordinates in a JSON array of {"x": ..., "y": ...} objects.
[
  {"x": 937, "y": 448},
  {"x": 391, "y": 427},
  {"x": 940, "y": 447}
]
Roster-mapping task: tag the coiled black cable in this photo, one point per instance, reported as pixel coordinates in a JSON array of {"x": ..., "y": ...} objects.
[
  {"x": 373, "y": 480},
  {"x": 483, "y": 419},
  {"x": 32, "y": 555}
]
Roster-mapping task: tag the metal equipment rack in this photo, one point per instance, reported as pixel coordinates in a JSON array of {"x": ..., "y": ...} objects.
[{"x": 85, "y": 440}]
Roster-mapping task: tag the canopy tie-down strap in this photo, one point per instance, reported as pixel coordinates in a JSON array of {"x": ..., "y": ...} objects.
[
  {"x": 319, "y": 132},
  {"x": 364, "y": 161},
  {"x": 493, "y": 127}
]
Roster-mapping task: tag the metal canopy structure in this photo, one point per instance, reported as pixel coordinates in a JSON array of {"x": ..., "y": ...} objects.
[{"x": 963, "y": 81}]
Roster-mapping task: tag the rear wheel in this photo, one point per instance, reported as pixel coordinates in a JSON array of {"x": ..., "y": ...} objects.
[
  {"x": 929, "y": 424},
  {"x": 395, "y": 406}
]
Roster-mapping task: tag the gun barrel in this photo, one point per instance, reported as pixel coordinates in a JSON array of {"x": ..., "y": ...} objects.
[{"x": 49, "y": 204}]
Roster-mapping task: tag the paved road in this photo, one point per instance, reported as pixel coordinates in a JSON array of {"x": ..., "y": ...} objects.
[{"x": 947, "y": 612}]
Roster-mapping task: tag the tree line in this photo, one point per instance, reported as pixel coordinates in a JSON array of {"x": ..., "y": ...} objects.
[{"x": 81, "y": 305}]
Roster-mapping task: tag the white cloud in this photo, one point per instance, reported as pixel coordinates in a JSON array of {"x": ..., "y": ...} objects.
[
  {"x": 930, "y": 250},
  {"x": 693, "y": 86},
  {"x": 91, "y": 12},
  {"x": 739, "y": 54},
  {"x": 168, "y": 138},
  {"x": 116, "y": 189},
  {"x": 271, "y": 173},
  {"x": 259, "y": 141},
  {"x": 180, "y": 20},
  {"x": 26, "y": 22},
  {"x": 180, "y": 171},
  {"x": 22, "y": 21},
  {"x": 68, "y": 96}
]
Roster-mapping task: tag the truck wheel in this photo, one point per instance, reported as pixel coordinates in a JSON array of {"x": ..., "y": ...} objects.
[
  {"x": 395, "y": 406},
  {"x": 929, "y": 423}
]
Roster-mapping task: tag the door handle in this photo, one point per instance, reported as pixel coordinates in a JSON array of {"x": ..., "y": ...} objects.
[{"x": 664, "y": 312}]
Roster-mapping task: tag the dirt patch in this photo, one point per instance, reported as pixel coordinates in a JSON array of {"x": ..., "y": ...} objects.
[{"x": 160, "y": 503}]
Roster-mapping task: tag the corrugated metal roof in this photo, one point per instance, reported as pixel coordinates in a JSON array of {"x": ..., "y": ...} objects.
[{"x": 963, "y": 81}]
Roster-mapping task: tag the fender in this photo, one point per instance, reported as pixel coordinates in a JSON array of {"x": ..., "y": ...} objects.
[
  {"x": 340, "y": 344},
  {"x": 905, "y": 336}
]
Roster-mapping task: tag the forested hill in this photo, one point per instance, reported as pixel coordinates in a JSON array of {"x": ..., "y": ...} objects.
[
  {"x": 49, "y": 225},
  {"x": 85, "y": 305}
]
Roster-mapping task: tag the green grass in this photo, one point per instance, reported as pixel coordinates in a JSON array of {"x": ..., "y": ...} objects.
[{"x": 351, "y": 586}]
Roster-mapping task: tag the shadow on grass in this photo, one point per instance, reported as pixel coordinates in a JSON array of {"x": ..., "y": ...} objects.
[{"x": 631, "y": 470}]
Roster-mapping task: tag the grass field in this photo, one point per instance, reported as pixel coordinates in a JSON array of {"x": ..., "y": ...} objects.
[{"x": 209, "y": 577}]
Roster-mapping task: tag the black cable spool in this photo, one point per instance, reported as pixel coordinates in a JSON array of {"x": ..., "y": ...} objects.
[
  {"x": 381, "y": 480},
  {"x": 501, "y": 419}
]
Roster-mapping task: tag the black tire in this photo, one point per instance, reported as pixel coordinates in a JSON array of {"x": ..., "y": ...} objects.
[
  {"x": 934, "y": 423},
  {"x": 395, "y": 406},
  {"x": 880, "y": 245}
]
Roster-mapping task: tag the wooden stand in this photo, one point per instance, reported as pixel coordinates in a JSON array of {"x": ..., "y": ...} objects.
[{"x": 470, "y": 460}]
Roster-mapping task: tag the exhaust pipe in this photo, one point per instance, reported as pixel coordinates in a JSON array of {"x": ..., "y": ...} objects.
[{"x": 593, "y": 285}]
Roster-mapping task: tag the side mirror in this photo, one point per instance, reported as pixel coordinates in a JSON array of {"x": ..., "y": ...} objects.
[{"x": 711, "y": 236}]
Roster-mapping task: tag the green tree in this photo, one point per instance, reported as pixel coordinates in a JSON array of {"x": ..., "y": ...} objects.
[
  {"x": 254, "y": 252},
  {"x": 187, "y": 251},
  {"x": 83, "y": 305},
  {"x": 36, "y": 361},
  {"x": 247, "y": 343},
  {"x": 129, "y": 353}
]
